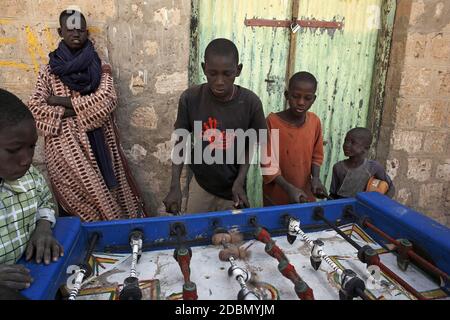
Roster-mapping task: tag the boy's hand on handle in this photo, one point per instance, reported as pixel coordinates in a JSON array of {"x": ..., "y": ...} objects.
[
  {"x": 42, "y": 243},
  {"x": 15, "y": 277},
  {"x": 173, "y": 201},
  {"x": 240, "y": 195},
  {"x": 297, "y": 195},
  {"x": 318, "y": 189}
]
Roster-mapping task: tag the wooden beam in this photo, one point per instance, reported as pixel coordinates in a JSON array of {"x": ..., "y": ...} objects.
[
  {"x": 287, "y": 23},
  {"x": 381, "y": 65}
]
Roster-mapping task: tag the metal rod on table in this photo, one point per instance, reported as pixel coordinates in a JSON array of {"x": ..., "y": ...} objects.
[
  {"x": 131, "y": 289},
  {"x": 369, "y": 256},
  {"x": 242, "y": 276},
  {"x": 303, "y": 291},
  {"x": 85, "y": 269},
  {"x": 414, "y": 256},
  {"x": 351, "y": 284}
]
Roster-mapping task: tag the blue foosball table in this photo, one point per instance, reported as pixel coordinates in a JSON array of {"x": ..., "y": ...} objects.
[{"x": 370, "y": 247}]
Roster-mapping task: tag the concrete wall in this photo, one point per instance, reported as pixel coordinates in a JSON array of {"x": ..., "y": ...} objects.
[
  {"x": 415, "y": 137},
  {"x": 147, "y": 43}
]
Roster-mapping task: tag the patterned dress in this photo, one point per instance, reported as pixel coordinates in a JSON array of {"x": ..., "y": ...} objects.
[{"x": 75, "y": 176}]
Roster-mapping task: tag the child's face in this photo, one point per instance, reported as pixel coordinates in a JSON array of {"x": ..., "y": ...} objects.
[
  {"x": 221, "y": 71},
  {"x": 74, "y": 37},
  {"x": 17, "y": 145},
  {"x": 354, "y": 146},
  {"x": 301, "y": 97}
]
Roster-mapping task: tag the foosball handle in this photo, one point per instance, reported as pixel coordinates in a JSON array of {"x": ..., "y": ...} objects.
[{"x": 131, "y": 290}]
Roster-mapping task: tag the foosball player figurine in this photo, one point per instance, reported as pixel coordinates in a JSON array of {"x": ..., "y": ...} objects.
[
  {"x": 271, "y": 248},
  {"x": 131, "y": 289},
  {"x": 229, "y": 242},
  {"x": 367, "y": 254},
  {"x": 303, "y": 291},
  {"x": 231, "y": 253},
  {"x": 183, "y": 257},
  {"x": 404, "y": 248},
  {"x": 242, "y": 276},
  {"x": 351, "y": 285}
]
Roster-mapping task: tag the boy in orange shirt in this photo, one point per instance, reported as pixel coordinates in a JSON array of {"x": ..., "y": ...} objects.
[{"x": 294, "y": 177}]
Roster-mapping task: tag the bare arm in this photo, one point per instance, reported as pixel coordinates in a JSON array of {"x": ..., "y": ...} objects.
[
  {"x": 317, "y": 187},
  {"x": 174, "y": 198}
]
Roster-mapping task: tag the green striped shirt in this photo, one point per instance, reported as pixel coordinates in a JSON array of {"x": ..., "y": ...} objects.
[{"x": 22, "y": 203}]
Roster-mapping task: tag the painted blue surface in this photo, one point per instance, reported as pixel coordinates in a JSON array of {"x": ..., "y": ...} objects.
[
  {"x": 47, "y": 279},
  {"x": 395, "y": 219},
  {"x": 402, "y": 222}
]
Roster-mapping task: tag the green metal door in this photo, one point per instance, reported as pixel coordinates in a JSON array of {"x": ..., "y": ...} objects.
[
  {"x": 337, "y": 42},
  {"x": 343, "y": 62}
]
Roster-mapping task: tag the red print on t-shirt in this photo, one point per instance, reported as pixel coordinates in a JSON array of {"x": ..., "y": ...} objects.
[{"x": 221, "y": 141}]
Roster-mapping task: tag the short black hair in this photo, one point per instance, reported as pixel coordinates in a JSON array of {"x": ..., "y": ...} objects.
[
  {"x": 68, "y": 13},
  {"x": 303, "y": 76},
  {"x": 222, "y": 47},
  {"x": 364, "y": 135},
  {"x": 12, "y": 110}
]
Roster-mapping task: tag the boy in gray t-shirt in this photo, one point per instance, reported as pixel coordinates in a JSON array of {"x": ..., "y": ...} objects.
[{"x": 352, "y": 175}]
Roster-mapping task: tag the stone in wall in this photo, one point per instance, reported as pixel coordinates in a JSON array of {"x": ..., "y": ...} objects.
[
  {"x": 410, "y": 141},
  {"x": 136, "y": 154},
  {"x": 403, "y": 196},
  {"x": 444, "y": 81},
  {"x": 418, "y": 81},
  {"x": 431, "y": 195},
  {"x": 443, "y": 171},
  {"x": 431, "y": 113},
  {"x": 419, "y": 169},
  {"x": 144, "y": 118},
  {"x": 392, "y": 167},
  {"x": 435, "y": 142},
  {"x": 170, "y": 83}
]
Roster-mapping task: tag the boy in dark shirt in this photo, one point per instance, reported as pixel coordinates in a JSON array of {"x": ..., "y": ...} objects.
[
  {"x": 215, "y": 108},
  {"x": 352, "y": 175}
]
